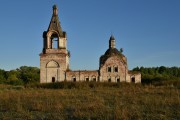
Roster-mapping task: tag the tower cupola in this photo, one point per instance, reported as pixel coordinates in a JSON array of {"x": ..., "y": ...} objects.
[{"x": 112, "y": 43}]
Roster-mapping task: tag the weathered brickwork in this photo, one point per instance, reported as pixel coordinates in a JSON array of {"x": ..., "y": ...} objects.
[
  {"x": 55, "y": 71},
  {"x": 54, "y": 60},
  {"x": 113, "y": 75},
  {"x": 82, "y": 75}
]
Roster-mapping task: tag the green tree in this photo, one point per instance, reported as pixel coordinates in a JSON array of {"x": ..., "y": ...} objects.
[
  {"x": 162, "y": 70},
  {"x": 29, "y": 74},
  {"x": 12, "y": 77},
  {"x": 161, "y": 73},
  {"x": 121, "y": 50},
  {"x": 2, "y": 76},
  {"x": 136, "y": 69}
]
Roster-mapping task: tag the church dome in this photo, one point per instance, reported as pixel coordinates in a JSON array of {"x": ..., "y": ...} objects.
[{"x": 112, "y": 52}]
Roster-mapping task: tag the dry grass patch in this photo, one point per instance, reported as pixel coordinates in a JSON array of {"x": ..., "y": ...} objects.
[{"x": 104, "y": 102}]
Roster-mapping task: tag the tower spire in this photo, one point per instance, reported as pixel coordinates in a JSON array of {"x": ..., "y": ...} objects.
[
  {"x": 55, "y": 23},
  {"x": 55, "y": 10}
]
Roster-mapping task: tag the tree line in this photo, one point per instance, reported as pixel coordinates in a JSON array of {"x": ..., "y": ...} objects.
[
  {"x": 29, "y": 75},
  {"x": 162, "y": 73},
  {"x": 20, "y": 76}
]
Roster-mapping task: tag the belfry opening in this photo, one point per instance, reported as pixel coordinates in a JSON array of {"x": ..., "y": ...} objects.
[{"x": 54, "y": 41}]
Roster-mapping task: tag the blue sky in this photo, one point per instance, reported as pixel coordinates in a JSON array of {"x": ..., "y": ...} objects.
[{"x": 148, "y": 30}]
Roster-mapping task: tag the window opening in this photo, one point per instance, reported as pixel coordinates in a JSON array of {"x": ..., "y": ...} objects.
[
  {"x": 55, "y": 43},
  {"x": 118, "y": 80},
  {"x": 116, "y": 69},
  {"x": 87, "y": 79},
  {"x": 94, "y": 78},
  {"x": 109, "y": 79},
  {"x": 109, "y": 69}
]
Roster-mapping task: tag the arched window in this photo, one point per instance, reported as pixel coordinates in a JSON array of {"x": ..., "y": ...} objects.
[
  {"x": 109, "y": 69},
  {"x": 109, "y": 79},
  {"x": 94, "y": 78},
  {"x": 74, "y": 78},
  {"x": 117, "y": 79},
  {"x": 115, "y": 68},
  {"x": 87, "y": 79}
]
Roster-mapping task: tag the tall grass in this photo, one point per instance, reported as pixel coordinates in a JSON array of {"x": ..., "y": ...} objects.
[{"x": 90, "y": 101}]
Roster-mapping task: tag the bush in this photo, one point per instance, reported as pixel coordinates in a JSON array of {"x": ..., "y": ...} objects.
[
  {"x": 76, "y": 85},
  {"x": 15, "y": 82}
]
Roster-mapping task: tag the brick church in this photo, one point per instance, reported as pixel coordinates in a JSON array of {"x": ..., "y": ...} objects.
[{"x": 54, "y": 60}]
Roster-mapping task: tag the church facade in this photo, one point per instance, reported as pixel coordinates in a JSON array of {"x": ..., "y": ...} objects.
[{"x": 54, "y": 60}]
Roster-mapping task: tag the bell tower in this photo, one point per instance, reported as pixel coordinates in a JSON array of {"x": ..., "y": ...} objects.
[{"x": 54, "y": 59}]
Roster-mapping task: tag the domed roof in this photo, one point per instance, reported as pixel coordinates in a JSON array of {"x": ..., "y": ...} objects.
[{"x": 112, "y": 52}]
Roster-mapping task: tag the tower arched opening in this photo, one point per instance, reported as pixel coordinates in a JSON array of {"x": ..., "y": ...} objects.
[{"x": 54, "y": 41}]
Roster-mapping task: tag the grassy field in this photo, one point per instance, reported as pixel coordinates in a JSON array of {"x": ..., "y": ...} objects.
[{"x": 90, "y": 101}]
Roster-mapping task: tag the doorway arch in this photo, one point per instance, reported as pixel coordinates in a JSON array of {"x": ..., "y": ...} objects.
[
  {"x": 133, "y": 79},
  {"x": 52, "y": 71},
  {"x": 117, "y": 79}
]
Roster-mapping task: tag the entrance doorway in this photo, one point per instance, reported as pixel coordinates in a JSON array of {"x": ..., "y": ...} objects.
[
  {"x": 109, "y": 80},
  {"x": 133, "y": 79},
  {"x": 74, "y": 79},
  {"x": 53, "y": 79}
]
